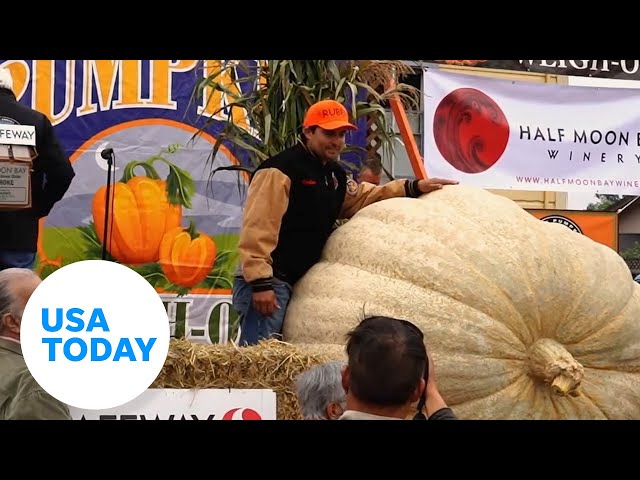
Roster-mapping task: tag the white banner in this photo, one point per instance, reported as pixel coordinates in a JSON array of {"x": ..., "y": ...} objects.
[
  {"x": 528, "y": 136},
  {"x": 185, "y": 404}
]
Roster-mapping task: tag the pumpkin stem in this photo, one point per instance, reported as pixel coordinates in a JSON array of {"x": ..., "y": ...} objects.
[
  {"x": 551, "y": 363},
  {"x": 128, "y": 172},
  {"x": 193, "y": 231}
]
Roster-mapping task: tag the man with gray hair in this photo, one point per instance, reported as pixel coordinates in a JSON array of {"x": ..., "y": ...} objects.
[
  {"x": 370, "y": 172},
  {"x": 21, "y": 398},
  {"x": 320, "y": 393}
]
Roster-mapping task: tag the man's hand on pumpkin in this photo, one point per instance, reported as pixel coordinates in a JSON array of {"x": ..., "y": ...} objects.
[{"x": 431, "y": 184}]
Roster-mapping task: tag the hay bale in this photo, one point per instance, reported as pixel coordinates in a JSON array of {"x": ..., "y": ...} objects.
[{"x": 270, "y": 364}]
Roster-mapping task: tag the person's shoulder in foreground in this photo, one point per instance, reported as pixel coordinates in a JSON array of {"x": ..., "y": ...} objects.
[
  {"x": 445, "y": 413},
  {"x": 31, "y": 402},
  {"x": 21, "y": 397}
]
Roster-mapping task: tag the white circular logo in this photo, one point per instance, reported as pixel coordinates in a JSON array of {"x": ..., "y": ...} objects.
[
  {"x": 570, "y": 224},
  {"x": 95, "y": 334}
]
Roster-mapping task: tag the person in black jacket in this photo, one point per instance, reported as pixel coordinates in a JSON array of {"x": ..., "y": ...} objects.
[
  {"x": 388, "y": 371},
  {"x": 51, "y": 177},
  {"x": 293, "y": 201}
]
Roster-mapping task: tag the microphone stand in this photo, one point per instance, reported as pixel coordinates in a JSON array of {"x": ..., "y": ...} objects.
[{"x": 108, "y": 155}]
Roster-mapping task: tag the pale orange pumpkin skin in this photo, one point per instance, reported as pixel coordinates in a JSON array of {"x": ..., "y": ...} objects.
[
  {"x": 524, "y": 319},
  {"x": 187, "y": 256}
]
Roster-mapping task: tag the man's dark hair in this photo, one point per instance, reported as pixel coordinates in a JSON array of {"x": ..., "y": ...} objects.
[
  {"x": 387, "y": 360},
  {"x": 303, "y": 138}
]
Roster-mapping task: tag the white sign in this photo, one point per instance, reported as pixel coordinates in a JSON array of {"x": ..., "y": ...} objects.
[
  {"x": 15, "y": 183},
  {"x": 190, "y": 404},
  {"x": 18, "y": 135},
  {"x": 521, "y": 135},
  {"x": 202, "y": 318}
]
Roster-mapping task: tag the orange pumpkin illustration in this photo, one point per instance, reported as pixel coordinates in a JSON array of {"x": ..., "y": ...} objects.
[
  {"x": 187, "y": 256},
  {"x": 140, "y": 215}
]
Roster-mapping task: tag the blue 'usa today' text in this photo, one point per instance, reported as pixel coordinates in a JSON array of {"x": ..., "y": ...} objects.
[{"x": 97, "y": 349}]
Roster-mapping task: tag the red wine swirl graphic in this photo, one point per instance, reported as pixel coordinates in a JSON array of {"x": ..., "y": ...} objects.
[{"x": 470, "y": 130}]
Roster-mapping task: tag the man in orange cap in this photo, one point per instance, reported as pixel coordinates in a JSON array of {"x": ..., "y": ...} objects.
[{"x": 293, "y": 201}]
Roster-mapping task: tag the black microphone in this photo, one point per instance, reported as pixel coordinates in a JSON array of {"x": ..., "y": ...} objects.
[{"x": 107, "y": 153}]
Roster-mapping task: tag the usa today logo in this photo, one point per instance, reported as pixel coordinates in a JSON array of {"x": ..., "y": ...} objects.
[{"x": 95, "y": 334}]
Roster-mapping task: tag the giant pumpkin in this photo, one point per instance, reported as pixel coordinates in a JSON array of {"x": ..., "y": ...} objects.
[{"x": 524, "y": 319}]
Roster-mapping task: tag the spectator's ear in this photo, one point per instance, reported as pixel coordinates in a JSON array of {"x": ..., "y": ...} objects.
[
  {"x": 334, "y": 411},
  {"x": 415, "y": 396},
  {"x": 10, "y": 323},
  {"x": 345, "y": 379}
]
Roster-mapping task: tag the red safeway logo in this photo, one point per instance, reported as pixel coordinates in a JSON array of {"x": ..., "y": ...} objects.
[{"x": 241, "y": 414}]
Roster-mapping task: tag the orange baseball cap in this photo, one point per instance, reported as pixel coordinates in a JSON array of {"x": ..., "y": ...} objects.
[{"x": 328, "y": 114}]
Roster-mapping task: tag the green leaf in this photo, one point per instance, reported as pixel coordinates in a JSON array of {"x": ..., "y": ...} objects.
[
  {"x": 267, "y": 128},
  {"x": 92, "y": 244},
  {"x": 241, "y": 143},
  {"x": 333, "y": 68},
  {"x": 378, "y": 110},
  {"x": 339, "y": 89},
  {"x": 152, "y": 272},
  {"x": 354, "y": 98},
  {"x": 180, "y": 186},
  {"x": 277, "y": 109},
  {"x": 368, "y": 88}
]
